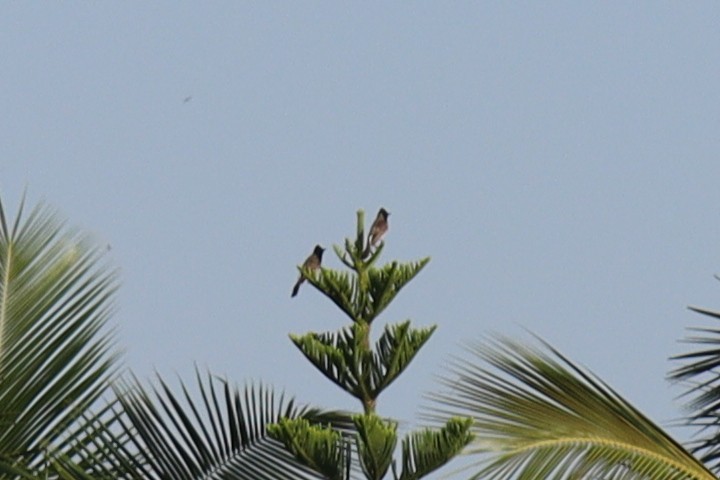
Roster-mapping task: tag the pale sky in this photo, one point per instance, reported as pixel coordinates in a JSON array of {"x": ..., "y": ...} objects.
[{"x": 558, "y": 162}]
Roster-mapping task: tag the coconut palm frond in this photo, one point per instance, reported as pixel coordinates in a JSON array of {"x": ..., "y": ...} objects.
[
  {"x": 537, "y": 415},
  {"x": 56, "y": 358}
]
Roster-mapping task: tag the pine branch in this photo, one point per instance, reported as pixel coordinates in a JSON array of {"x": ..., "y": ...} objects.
[
  {"x": 428, "y": 450},
  {"x": 394, "y": 351},
  {"x": 335, "y": 355},
  {"x": 386, "y": 282},
  {"x": 343, "y": 359},
  {"x": 320, "y": 448},
  {"x": 376, "y": 440},
  {"x": 339, "y": 287}
]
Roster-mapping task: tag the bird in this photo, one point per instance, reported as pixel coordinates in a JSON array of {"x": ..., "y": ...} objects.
[
  {"x": 311, "y": 263},
  {"x": 377, "y": 230}
]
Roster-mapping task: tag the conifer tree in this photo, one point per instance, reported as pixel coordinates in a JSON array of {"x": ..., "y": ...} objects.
[{"x": 347, "y": 359}]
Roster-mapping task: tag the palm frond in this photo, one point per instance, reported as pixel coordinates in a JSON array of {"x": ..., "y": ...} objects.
[
  {"x": 537, "y": 415},
  {"x": 103, "y": 449},
  {"x": 222, "y": 436},
  {"x": 700, "y": 371},
  {"x": 9, "y": 469},
  {"x": 55, "y": 358}
]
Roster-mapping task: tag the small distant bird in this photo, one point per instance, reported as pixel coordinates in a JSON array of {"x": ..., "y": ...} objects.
[
  {"x": 377, "y": 230},
  {"x": 187, "y": 99},
  {"x": 311, "y": 263}
]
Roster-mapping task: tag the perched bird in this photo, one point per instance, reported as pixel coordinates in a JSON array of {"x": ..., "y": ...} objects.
[
  {"x": 311, "y": 263},
  {"x": 378, "y": 228}
]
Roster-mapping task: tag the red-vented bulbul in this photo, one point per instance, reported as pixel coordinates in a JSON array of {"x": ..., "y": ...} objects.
[
  {"x": 377, "y": 230},
  {"x": 311, "y": 263}
]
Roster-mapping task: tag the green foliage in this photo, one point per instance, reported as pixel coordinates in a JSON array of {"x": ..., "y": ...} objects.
[
  {"x": 364, "y": 297},
  {"x": 338, "y": 356},
  {"x": 350, "y": 362},
  {"x": 343, "y": 358},
  {"x": 536, "y": 415},
  {"x": 540, "y": 416},
  {"x": 393, "y": 353},
  {"x": 339, "y": 287},
  {"x": 103, "y": 451},
  {"x": 386, "y": 282},
  {"x": 56, "y": 362},
  {"x": 700, "y": 371},
  {"x": 319, "y": 447},
  {"x": 376, "y": 440},
  {"x": 55, "y": 358},
  {"x": 8, "y": 470},
  {"x": 224, "y": 435},
  {"x": 428, "y": 450}
]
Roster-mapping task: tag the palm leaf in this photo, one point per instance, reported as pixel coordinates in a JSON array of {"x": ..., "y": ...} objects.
[
  {"x": 104, "y": 449},
  {"x": 221, "y": 436},
  {"x": 700, "y": 371},
  {"x": 55, "y": 359},
  {"x": 537, "y": 415}
]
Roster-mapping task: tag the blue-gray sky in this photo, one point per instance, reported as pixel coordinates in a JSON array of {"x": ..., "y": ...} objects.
[{"x": 558, "y": 162}]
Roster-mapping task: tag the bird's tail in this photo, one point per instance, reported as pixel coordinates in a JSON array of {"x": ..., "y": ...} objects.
[{"x": 296, "y": 287}]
